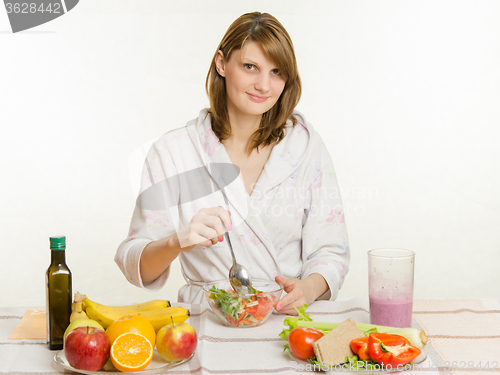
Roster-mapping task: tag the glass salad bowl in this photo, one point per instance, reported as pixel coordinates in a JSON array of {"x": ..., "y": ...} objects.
[{"x": 242, "y": 310}]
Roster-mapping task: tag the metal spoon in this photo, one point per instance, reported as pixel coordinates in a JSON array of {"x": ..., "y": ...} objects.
[{"x": 238, "y": 275}]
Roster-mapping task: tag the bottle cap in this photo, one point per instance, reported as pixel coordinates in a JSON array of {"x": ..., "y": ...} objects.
[{"x": 57, "y": 243}]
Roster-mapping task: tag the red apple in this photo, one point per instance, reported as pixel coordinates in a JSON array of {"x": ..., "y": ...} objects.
[
  {"x": 87, "y": 348},
  {"x": 175, "y": 342},
  {"x": 82, "y": 323}
]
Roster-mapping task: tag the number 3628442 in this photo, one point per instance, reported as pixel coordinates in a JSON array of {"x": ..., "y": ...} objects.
[{"x": 26, "y": 8}]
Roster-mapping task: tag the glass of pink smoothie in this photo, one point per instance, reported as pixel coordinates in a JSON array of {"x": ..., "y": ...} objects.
[{"x": 390, "y": 282}]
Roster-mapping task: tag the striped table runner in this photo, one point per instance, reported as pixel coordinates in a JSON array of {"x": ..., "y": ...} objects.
[
  {"x": 465, "y": 333},
  {"x": 464, "y": 338}
]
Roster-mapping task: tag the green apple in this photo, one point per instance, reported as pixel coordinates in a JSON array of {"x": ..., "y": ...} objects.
[{"x": 82, "y": 323}]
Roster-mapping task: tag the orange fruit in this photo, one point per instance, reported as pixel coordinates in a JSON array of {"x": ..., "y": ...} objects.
[
  {"x": 131, "y": 323},
  {"x": 131, "y": 352}
]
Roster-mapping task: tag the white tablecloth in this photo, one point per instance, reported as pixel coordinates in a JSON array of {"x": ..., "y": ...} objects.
[{"x": 453, "y": 327}]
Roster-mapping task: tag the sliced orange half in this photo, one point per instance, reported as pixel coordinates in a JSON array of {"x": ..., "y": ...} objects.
[{"x": 131, "y": 352}]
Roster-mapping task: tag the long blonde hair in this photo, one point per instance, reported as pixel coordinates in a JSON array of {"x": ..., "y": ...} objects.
[{"x": 266, "y": 30}]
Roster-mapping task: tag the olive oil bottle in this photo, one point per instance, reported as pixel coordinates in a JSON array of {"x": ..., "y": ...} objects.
[{"x": 58, "y": 289}]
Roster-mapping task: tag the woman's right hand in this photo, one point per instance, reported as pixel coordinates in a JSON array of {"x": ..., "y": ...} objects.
[{"x": 206, "y": 228}]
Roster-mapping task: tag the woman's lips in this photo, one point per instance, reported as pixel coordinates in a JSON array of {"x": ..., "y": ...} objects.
[{"x": 256, "y": 98}]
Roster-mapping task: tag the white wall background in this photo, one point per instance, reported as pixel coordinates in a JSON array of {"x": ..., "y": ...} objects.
[{"x": 405, "y": 93}]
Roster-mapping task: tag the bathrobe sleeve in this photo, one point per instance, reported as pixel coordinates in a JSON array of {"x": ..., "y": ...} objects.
[
  {"x": 325, "y": 248},
  {"x": 152, "y": 223}
]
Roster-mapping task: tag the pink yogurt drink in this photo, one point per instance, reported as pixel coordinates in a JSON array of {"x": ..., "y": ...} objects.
[{"x": 394, "y": 312}]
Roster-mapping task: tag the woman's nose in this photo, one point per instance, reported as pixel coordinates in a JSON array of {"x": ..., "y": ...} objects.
[{"x": 263, "y": 82}]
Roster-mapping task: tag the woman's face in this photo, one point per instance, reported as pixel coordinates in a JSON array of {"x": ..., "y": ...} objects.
[{"x": 253, "y": 81}]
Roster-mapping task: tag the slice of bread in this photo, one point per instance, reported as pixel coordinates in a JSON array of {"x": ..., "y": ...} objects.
[{"x": 336, "y": 344}]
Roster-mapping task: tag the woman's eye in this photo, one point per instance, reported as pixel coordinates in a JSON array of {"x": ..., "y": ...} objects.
[
  {"x": 249, "y": 66},
  {"x": 276, "y": 72}
]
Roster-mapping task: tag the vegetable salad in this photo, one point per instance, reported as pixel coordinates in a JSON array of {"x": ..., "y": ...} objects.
[{"x": 239, "y": 311}]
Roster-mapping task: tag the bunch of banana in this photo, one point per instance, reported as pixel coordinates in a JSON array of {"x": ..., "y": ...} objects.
[{"x": 158, "y": 312}]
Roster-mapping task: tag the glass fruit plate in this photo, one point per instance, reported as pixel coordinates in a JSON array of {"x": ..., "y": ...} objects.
[
  {"x": 156, "y": 364},
  {"x": 303, "y": 365}
]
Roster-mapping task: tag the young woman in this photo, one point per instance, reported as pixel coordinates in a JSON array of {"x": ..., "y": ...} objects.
[{"x": 281, "y": 205}]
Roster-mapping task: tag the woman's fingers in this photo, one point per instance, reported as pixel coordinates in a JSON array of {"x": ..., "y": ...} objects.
[
  {"x": 225, "y": 217},
  {"x": 289, "y": 309},
  {"x": 196, "y": 233},
  {"x": 287, "y": 283},
  {"x": 222, "y": 214},
  {"x": 206, "y": 243},
  {"x": 281, "y": 280},
  {"x": 286, "y": 304},
  {"x": 215, "y": 223},
  {"x": 287, "y": 287},
  {"x": 206, "y": 228},
  {"x": 294, "y": 297},
  {"x": 190, "y": 236}
]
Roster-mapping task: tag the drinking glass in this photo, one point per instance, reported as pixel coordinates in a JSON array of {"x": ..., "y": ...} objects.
[{"x": 390, "y": 281}]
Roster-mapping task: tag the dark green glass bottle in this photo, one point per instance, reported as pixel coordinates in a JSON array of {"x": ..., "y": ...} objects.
[{"x": 58, "y": 286}]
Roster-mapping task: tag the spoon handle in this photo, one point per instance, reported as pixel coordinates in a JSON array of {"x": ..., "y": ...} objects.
[{"x": 226, "y": 235}]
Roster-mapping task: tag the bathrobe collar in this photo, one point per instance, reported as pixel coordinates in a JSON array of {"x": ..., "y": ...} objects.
[{"x": 285, "y": 158}]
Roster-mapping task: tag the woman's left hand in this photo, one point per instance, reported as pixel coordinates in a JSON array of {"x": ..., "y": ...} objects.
[{"x": 300, "y": 292}]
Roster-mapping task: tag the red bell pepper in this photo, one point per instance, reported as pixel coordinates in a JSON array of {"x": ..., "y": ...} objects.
[
  {"x": 391, "y": 350},
  {"x": 360, "y": 347}
]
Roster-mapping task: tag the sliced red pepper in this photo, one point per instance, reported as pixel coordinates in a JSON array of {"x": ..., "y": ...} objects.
[
  {"x": 360, "y": 347},
  {"x": 241, "y": 317},
  {"x": 391, "y": 350}
]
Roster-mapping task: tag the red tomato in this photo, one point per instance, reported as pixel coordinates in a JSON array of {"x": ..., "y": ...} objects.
[{"x": 300, "y": 341}]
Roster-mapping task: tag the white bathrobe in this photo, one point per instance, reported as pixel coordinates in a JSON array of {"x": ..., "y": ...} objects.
[{"x": 291, "y": 225}]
